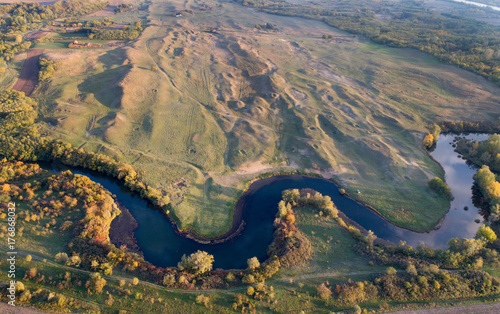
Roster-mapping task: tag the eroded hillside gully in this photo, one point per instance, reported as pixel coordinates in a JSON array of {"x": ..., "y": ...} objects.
[{"x": 162, "y": 246}]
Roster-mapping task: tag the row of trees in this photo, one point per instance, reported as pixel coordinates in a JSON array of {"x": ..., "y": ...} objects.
[
  {"x": 127, "y": 33},
  {"x": 423, "y": 284}
]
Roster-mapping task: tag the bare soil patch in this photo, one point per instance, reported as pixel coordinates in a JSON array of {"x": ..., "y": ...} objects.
[
  {"x": 108, "y": 11},
  {"x": 37, "y": 35},
  {"x": 29, "y": 73}
]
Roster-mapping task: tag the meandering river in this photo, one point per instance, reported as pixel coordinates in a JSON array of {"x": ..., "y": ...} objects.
[
  {"x": 482, "y": 5},
  {"x": 163, "y": 247}
]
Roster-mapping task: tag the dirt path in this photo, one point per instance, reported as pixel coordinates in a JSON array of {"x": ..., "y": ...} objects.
[
  {"x": 469, "y": 309},
  {"x": 29, "y": 74}
]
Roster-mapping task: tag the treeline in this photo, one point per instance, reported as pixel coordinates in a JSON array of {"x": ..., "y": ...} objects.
[
  {"x": 482, "y": 152},
  {"x": 89, "y": 24},
  {"x": 424, "y": 284},
  {"x": 47, "y": 68},
  {"x": 467, "y": 43},
  {"x": 470, "y": 127},
  {"x": 490, "y": 190},
  {"x": 114, "y": 34},
  {"x": 35, "y": 12},
  {"x": 127, "y": 33}
]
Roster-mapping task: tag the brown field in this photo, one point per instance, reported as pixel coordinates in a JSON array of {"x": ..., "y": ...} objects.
[
  {"x": 29, "y": 74},
  {"x": 37, "y": 35}
]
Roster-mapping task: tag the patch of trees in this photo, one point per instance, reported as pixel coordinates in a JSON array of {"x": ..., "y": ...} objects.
[
  {"x": 89, "y": 24},
  {"x": 432, "y": 137},
  {"x": 489, "y": 187},
  {"x": 267, "y": 26},
  {"x": 47, "y": 68},
  {"x": 470, "y": 127},
  {"x": 422, "y": 284},
  {"x": 482, "y": 152},
  {"x": 438, "y": 185},
  {"x": 115, "y": 34},
  {"x": 17, "y": 112},
  {"x": 123, "y": 8},
  {"x": 11, "y": 45},
  {"x": 464, "y": 42},
  {"x": 35, "y": 12}
]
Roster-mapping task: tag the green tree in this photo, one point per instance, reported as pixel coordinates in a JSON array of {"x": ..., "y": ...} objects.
[{"x": 440, "y": 187}]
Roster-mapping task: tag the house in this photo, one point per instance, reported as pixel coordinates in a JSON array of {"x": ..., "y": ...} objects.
[{"x": 178, "y": 14}]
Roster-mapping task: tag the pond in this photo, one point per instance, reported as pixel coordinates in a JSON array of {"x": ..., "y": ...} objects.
[{"x": 163, "y": 247}]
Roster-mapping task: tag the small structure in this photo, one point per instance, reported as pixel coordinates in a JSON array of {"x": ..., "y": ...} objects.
[
  {"x": 179, "y": 14},
  {"x": 75, "y": 42}
]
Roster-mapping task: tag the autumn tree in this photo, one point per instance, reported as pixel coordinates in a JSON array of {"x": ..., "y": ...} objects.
[
  {"x": 96, "y": 283},
  {"x": 323, "y": 292},
  {"x": 253, "y": 263},
  {"x": 486, "y": 233},
  {"x": 197, "y": 263}
]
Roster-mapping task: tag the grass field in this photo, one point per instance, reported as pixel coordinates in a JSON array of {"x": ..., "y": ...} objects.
[
  {"x": 332, "y": 247},
  {"x": 213, "y": 110}
]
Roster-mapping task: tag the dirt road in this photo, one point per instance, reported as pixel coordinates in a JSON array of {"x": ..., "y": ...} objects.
[{"x": 469, "y": 309}]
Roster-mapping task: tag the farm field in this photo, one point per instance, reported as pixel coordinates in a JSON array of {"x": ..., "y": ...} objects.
[{"x": 200, "y": 113}]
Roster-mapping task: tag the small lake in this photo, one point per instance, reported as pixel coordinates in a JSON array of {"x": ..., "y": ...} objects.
[{"x": 163, "y": 247}]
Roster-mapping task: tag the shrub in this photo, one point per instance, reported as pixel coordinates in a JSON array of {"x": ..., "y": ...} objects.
[
  {"x": 441, "y": 188},
  {"x": 323, "y": 292}
]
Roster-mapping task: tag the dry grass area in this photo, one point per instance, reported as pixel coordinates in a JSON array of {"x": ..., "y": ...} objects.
[{"x": 215, "y": 109}]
